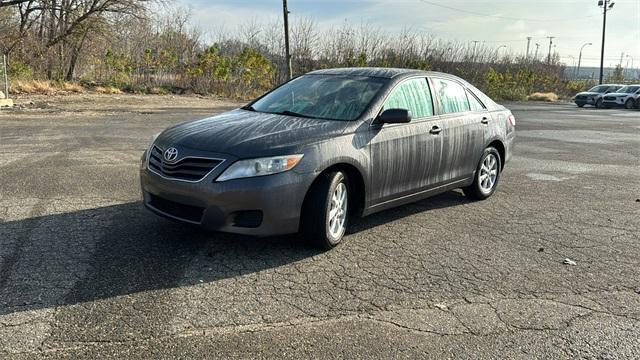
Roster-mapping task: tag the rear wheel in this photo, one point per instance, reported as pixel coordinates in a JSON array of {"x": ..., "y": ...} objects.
[
  {"x": 487, "y": 175},
  {"x": 629, "y": 104},
  {"x": 326, "y": 210}
]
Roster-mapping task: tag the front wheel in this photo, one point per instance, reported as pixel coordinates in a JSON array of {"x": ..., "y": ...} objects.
[
  {"x": 580, "y": 105},
  {"x": 326, "y": 210},
  {"x": 487, "y": 176},
  {"x": 629, "y": 104},
  {"x": 599, "y": 104}
]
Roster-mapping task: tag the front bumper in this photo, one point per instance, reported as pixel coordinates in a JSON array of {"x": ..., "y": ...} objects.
[
  {"x": 613, "y": 103},
  {"x": 586, "y": 101},
  {"x": 259, "y": 206}
]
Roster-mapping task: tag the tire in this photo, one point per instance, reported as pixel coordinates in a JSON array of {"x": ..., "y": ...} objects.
[
  {"x": 599, "y": 104},
  {"x": 322, "y": 227},
  {"x": 580, "y": 105},
  {"x": 484, "y": 187},
  {"x": 629, "y": 104}
]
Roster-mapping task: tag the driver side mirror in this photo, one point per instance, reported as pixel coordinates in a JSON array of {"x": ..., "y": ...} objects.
[{"x": 394, "y": 116}]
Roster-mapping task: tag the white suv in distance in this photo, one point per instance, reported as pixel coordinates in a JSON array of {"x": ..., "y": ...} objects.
[
  {"x": 594, "y": 95},
  {"x": 626, "y": 97}
]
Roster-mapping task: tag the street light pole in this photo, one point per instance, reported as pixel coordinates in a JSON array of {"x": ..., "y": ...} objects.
[
  {"x": 498, "y": 50},
  {"x": 580, "y": 59},
  {"x": 633, "y": 73},
  {"x": 606, "y": 4},
  {"x": 550, "y": 45},
  {"x": 286, "y": 39},
  {"x": 573, "y": 62}
]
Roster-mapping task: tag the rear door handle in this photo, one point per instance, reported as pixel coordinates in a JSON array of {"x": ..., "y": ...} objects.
[
  {"x": 435, "y": 130},
  {"x": 485, "y": 120}
]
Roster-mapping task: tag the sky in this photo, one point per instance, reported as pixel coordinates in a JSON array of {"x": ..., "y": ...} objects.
[{"x": 497, "y": 22}]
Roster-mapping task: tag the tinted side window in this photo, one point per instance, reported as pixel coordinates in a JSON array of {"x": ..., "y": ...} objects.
[
  {"x": 475, "y": 104},
  {"x": 451, "y": 96},
  {"x": 413, "y": 95}
]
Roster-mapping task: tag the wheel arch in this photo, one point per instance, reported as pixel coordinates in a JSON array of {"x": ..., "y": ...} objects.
[
  {"x": 499, "y": 145},
  {"x": 357, "y": 191}
]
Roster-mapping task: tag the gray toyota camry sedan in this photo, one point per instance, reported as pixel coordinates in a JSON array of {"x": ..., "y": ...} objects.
[{"x": 327, "y": 146}]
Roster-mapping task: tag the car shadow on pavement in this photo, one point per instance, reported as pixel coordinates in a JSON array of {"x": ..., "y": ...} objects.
[{"x": 101, "y": 253}]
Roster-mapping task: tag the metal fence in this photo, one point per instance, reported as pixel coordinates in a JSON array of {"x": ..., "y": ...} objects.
[{"x": 4, "y": 78}]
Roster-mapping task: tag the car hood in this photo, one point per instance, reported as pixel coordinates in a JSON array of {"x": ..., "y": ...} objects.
[
  {"x": 589, "y": 93},
  {"x": 244, "y": 133}
]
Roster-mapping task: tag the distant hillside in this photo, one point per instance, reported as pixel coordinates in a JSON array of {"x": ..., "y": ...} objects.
[{"x": 589, "y": 72}]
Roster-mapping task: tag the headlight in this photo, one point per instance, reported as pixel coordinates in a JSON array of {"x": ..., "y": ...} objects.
[{"x": 260, "y": 167}]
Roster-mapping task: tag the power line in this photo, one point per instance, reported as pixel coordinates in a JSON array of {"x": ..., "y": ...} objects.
[{"x": 502, "y": 17}]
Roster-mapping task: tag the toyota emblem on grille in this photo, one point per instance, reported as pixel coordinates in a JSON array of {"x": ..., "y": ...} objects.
[{"x": 171, "y": 154}]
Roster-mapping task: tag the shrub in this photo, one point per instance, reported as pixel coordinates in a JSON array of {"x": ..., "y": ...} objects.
[{"x": 19, "y": 70}]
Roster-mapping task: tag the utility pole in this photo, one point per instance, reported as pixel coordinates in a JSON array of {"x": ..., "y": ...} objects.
[
  {"x": 528, "y": 45},
  {"x": 550, "y": 45},
  {"x": 580, "y": 59},
  {"x": 287, "y": 55},
  {"x": 607, "y": 5},
  {"x": 537, "y": 48}
]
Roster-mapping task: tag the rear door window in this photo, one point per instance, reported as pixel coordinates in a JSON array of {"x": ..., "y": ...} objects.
[
  {"x": 451, "y": 96},
  {"x": 413, "y": 95},
  {"x": 474, "y": 103}
]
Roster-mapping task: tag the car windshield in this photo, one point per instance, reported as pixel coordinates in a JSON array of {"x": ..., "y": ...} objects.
[
  {"x": 599, "y": 89},
  {"x": 331, "y": 97},
  {"x": 628, "y": 89}
]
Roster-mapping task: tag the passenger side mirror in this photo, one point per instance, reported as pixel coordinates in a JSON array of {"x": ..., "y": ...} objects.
[{"x": 394, "y": 116}]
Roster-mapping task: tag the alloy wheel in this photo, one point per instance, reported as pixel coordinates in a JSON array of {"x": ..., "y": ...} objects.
[
  {"x": 338, "y": 211},
  {"x": 488, "y": 173}
]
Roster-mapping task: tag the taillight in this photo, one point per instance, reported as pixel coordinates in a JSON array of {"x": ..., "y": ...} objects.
[{"x": 512, "y": 120}]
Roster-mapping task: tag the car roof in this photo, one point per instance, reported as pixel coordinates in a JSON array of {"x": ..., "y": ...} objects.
[{"x": 388, "y": 73}]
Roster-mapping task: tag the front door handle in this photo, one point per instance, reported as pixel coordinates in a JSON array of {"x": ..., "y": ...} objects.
[
  {"x": 435, "y": 130},
  {"x": 485, "y": 120}
]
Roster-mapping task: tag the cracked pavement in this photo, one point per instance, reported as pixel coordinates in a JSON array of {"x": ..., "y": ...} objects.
[{"x": 85, "y": 272}]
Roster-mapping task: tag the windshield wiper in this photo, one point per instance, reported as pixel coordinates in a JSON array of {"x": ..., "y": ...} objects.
[
  {"x": 248, "y": 108},
  {"x": 293, "y": 113}
]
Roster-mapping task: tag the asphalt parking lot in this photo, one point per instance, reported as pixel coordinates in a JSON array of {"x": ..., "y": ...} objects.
[{"x": 86, "y": 272}]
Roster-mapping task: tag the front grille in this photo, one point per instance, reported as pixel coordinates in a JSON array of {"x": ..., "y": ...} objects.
[
  {"x": 188, "y": 169},
  {"x": 581, "y": 97},
  {"x": 610, "y": 98},
  {"x": 181, "y": 211}
]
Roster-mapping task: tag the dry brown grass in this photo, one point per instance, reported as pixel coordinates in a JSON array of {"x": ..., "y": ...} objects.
[
  {"x": 548, "y": 97},
  {"x": 107, "y": 90},
  {"x": 156, "y": 90},
  {"x": 43, "y": 87},
  {"x": 72, "y": 87}
]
